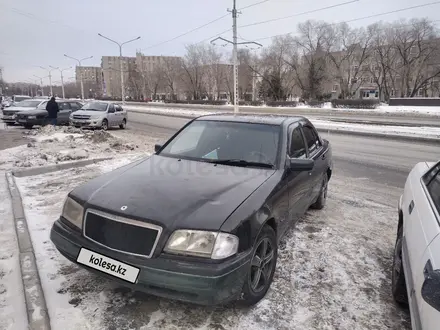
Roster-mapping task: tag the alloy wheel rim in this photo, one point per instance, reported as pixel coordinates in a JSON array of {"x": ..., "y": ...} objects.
[{"x": 261, "y": 266}]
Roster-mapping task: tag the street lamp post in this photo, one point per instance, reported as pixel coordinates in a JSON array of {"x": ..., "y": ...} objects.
[
  {"x": 50, "y": 78},
  {"x": 81, "y": 76},
  {"x": 62, "y": 81},
  {"x": 41, "y": 84},
  {"x": 120, "y": 61}
]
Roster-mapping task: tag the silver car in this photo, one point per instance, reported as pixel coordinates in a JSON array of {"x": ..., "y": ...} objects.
[
  {"x": 416, "y": 267},
  {"x": 99, "y": 114},
  {"x": 9, "y": 114}
]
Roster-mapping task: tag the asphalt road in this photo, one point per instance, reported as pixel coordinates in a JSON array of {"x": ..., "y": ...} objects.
[{"x": 380, "y": 160}]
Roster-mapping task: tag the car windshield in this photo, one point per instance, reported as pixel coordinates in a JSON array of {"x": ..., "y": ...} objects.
[
  {"x": 20, "y": 98},
  {"x": 230, "y": 143},
  {"x": 95, "y": 106},
  {"x": 28, "y": 104}
]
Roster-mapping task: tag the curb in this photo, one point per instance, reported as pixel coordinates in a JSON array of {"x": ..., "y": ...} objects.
[
  {"x": 408, "y": 138},
  {"x": 37, "y": 313},
  {"x": 57, "y": 167}
]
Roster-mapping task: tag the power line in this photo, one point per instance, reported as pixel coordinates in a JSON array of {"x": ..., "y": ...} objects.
[
  {"x": 281, "y": 18},
  {"x": 303, "y": 13},
  {"x": 362, "y": 18},
  {"x": 202, "y": 26}
]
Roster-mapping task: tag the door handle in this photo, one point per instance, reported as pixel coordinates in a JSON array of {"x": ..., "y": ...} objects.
[{"x": 411, "y": 207}]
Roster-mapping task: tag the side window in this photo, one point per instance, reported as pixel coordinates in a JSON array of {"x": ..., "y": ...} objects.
[
  {"x": 74, "y": 106},
  {"x": 312, "y": 139},
  {"x": 64, "y": 105},
  {"x": 111, "y": 108},
  {"x": 297, "y": 147},
  {"x": 118, "y": 108},
  {"x": 434, "y": 190}
]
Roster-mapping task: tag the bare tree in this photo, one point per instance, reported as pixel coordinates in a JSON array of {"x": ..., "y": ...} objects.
[
  {"x": 349, "y": 54},
  {"x": 193, "y": 68},
  {"x": 172, "y": 68},
  {"x": 310, "y": 60}
]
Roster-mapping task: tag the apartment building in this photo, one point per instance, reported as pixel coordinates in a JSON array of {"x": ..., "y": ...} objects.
[
  {"x": 92, "y": 79},
  {"x": 111, "y": 74}
]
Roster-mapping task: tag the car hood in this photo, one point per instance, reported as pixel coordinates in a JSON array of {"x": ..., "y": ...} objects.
[
  {"x": 89, "y": 113},
  {"x": 34, "y": 112},
  {"x": 173, "y": 193}
]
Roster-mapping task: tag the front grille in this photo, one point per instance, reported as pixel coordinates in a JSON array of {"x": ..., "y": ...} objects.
[
  {"x": 121, "y": 234},
  {"x": 9, "y": 112},
  {"x": 81, "y": 117},
  {"x": 21, "y": 116}
]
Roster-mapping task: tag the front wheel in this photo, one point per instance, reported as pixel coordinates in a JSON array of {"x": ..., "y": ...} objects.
[
  {"x": 261, "y": 268},
  {"x": 123, "y": 124},
  {"x": 104, "y": 124},
  {"x": 398, "y": 283}
]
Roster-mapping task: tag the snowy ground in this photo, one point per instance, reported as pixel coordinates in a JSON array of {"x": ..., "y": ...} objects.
[
  {"x": 429, "y": 132},
  {"x": 333, "y": 269}
]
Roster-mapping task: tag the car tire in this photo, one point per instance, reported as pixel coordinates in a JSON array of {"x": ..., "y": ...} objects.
[
  {"x": 124, "y": 123},
  {"x": 28, "y": 126},
  {"x": 322, "y": 198},
  {"x": 398, "y": 283},
  {"x": 261, "y": 268},
  {"x": 104, "y": 124}
]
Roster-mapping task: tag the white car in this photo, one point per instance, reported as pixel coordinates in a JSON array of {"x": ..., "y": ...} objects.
[
  {"x": 99, "y": 114},
  {"x": 416, "y": 265}
]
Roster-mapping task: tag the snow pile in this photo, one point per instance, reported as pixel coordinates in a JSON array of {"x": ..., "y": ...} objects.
[
  {"x": 170, "y": 111},
  {"x": 51, "y": 145}
]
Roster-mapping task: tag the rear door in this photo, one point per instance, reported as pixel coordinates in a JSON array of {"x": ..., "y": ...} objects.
[
  {"x": 430, "y": 316},
  {"x": 316, "y": 152},
  {"x": 65, "y": 110}
]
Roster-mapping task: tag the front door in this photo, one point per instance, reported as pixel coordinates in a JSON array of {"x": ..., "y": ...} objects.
[
  {"x": 297, "y": 181},
  {"x": 111, "y": 115},
  {"x": 119, "y": 115},
  {"x": 315, "y": 151}
]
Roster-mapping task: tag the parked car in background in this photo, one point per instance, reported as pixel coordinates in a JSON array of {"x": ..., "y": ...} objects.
[
  {"x": 99, "y": 114},
  {"x": 9, "y": 114},
  {"x": 416, "y": 266},
  {"x": 201, "y": 219},
  {"x": 38, "y": 116}
]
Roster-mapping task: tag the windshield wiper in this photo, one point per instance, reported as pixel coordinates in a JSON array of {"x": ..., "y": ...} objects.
[{"x": 240, "y": 162}]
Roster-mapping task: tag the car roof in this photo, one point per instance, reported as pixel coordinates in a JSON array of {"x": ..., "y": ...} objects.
[{"x": 252, "y": 118}]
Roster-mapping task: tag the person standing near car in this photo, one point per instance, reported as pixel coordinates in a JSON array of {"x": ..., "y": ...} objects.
[{"x": 53, "y": 109}]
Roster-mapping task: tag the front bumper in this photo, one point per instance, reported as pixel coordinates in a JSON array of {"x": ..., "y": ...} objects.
[
  {"x": 10, "y": 119},
  {"x": 200, "y": 283},
  {"x": 86, "y": 123},
  {"x": 27, "y": 121}
]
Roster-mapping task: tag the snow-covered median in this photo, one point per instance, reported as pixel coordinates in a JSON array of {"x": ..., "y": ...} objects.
[
  {"x": 333, "y": 270},
  {"x": 425, "y": 132}
]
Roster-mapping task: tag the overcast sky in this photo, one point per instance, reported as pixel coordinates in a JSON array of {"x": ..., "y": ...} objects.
[{"x": 38, "y": 32}]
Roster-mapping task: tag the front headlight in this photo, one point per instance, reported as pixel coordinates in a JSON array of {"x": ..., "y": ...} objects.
[
  {"x": 95, "y": 117},
  {"x": 207, "y": 244},
  {"x": 73, "y": 212}
]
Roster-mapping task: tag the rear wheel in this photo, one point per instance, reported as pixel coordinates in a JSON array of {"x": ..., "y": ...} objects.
[
  {"x": 104, "y": 124},
  {"x": 123, "y": 125},
  {"x": 261, "y": 268},
  {"x": 398, "y": 283}
]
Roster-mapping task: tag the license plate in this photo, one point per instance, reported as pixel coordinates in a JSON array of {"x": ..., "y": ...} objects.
[{"x": 108, "y": 265}]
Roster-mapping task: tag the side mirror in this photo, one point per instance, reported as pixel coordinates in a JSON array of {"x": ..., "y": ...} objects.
[
  {"x": 431, "y": 289},
  {"x": 296, "y": 164},
  {"x": 157, "y": 147}
]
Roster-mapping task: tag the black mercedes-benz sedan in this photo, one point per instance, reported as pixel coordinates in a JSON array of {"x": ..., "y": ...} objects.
[{"x": 200, "y": 219}]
